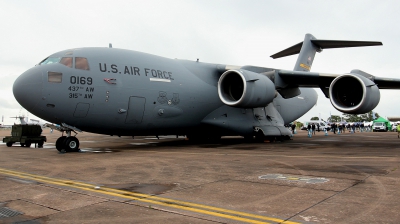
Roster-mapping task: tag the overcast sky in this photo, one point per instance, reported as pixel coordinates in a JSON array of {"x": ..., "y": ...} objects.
[{"x": 225, "y": 32}]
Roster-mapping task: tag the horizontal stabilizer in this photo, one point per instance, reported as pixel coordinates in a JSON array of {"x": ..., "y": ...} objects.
[{"x": 325, "y": 44}]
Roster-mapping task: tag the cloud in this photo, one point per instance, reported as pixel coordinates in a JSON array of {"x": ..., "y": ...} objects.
[{"x": 222, "y": 32}]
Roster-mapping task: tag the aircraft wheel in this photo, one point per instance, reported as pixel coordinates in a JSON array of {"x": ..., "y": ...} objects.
[
  {"x": 193, "y": 138},
  {"x": 72, "y": 144},
  {"x": 9, "y": 144},
  {"x": 60, "y": 143},
  {"x": 259, "y": 137},
  {"x": 248, "y": 138},
  {"x": 214, "y": 138}
]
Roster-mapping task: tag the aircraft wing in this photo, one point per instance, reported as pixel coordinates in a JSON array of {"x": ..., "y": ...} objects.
[
  {"x": 387, "y": 83},
  {"x": 323, "y": 80}
]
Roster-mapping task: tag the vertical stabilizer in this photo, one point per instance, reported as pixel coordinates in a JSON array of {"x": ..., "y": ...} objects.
[
  {"x": 310, "y": 45},
  {"x": 307, "y": 54}
]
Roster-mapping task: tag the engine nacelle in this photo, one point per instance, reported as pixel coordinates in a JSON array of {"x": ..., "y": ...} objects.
[
  {"x": 354, "y": 94},
  {"x": 245, "y": 89}
]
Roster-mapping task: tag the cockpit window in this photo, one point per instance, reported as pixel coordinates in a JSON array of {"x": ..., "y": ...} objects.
[
  {"x": 81, "y": 63},
  {"x": 49, "y": 60},
  {"x": 67, "y": 61}
]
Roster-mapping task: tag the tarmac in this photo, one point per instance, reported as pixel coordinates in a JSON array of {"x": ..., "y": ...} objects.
[{"x": 338, "y": 178}]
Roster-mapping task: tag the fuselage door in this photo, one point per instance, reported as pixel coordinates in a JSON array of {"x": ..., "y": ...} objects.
[{"x": 135, "y": 110}]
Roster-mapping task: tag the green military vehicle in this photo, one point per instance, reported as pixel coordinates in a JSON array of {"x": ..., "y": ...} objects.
[{"x": 25, "y": 134}]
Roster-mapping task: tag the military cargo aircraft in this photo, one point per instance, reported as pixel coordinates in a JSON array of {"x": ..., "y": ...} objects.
[{"x": 128, "y": 93}]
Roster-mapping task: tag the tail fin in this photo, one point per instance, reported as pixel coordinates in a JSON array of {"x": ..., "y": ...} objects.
[{"x": 311, "y": 45}]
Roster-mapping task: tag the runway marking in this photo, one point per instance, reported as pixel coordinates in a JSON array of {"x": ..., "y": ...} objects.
[
  {"x": 96, "y": 150},
  {"x": 301, "y": 143},
  {"x": 326, "y": 140},
  {"x": 308, "y": 180},
  {"x": 144, "y": 143},
  {"x": 272, "y": 155},
  {"x": 182, "y": 205}
]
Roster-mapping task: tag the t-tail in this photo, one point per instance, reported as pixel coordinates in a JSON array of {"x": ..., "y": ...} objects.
[{"x": 311, "y": 45}]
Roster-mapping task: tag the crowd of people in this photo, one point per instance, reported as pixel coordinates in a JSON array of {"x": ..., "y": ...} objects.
[
  {"x": 312, "y": 128},
  {"x": 356, "y": 126}
]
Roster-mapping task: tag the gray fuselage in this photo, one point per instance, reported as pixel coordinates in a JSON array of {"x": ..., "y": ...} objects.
[{"x": 123, "y": 92}]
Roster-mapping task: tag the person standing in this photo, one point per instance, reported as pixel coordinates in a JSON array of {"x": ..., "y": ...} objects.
[
  {"x": 293, "y": 127},
  {"x": 398, "y": 130},
  {"x": 313, "y": 128},
  {"x": 353, "y": 127}
]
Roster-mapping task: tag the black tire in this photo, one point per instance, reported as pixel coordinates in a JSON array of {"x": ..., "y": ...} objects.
[
  {"x": 248, "y": 138},
  {"x": 9, "y": 144},
  {"x": 60, "y": 146},
  {"x": 27, "y": 144},
  {"x": 71, "y": 144},
  {"x": 194, "y": 138},
  {"x": 214, "y": 138},
  {"x": 40, "y": 144},
  {"x": 22, "y": 144},
  {"x": 259, "y": 137}
]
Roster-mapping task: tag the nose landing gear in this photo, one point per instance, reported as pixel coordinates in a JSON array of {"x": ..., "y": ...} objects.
[{"x": 66, "y": 143}]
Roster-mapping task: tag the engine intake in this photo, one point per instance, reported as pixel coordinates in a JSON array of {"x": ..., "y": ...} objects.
[
  {"x": 354, "y": 94},
  {"x": 245, "y": 89}
]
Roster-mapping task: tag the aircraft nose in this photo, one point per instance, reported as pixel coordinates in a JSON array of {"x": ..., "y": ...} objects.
[{"x": 27, "y": 88}]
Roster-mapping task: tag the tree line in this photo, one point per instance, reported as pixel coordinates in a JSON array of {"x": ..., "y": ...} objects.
[{"x": 367, "y": 117}]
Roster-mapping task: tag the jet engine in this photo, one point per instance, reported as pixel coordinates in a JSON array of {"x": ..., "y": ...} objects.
[
  {"x": 354, "y": 94},
  {"x": 245, "y": 89}
]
